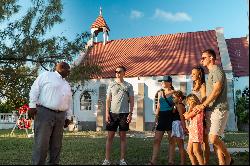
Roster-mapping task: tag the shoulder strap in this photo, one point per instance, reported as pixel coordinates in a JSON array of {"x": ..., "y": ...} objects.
[{"x": 164, "y": 95}]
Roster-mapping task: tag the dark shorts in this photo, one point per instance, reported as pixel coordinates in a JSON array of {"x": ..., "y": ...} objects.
[
  {"x": 118, "y": 120},
  {"x": 165, "y": 121}
]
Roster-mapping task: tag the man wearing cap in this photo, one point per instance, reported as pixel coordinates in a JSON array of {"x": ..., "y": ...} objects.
[
  {"x": 216, "y": 102},
  {"x": 163, "y": 119},
  {"x": 50, "y": 101}
]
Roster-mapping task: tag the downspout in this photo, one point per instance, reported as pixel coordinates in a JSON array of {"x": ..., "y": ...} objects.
[{"x": 233, "y": 80}]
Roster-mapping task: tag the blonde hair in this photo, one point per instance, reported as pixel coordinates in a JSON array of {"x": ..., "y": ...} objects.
[{"x": 193, "y": 99}]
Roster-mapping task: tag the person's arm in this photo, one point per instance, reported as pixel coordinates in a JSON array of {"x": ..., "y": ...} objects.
[
  {"x": 181, "y": 110},
  {"x": 218, "y": 79},
  {"x": 34, "y": 96},
  {"x": 189, "y": 114},
  {"x": 131, "y": 108},
  {"x": 35, "y": 92},
  {"x": 131, "y": 103},
  {"x": 158, "y": 105},
  {"x": 215, "y": 93},
  {"x": 108, "y": 103},
  {"x": 203, "y": 92}
]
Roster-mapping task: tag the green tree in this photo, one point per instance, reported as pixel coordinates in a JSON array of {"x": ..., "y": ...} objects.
[
  {"x": 25, "y": 47},
  {"x": 7, "y": 8},
  {"x": 242, "y": 107}
]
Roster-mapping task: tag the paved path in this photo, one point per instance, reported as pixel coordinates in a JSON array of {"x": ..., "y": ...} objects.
[{"x": 231, "y": 150}]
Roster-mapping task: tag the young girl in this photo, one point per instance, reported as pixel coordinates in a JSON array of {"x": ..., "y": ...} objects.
[
  {"x": 178, "y": 125},
  {"x": 195, "y": 131}
]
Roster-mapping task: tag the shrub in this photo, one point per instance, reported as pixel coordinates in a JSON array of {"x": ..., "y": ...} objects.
[{"x": 242, "y": 106}]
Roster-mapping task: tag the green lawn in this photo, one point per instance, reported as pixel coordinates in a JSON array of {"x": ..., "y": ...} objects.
[{"x": 88, "y": 148}]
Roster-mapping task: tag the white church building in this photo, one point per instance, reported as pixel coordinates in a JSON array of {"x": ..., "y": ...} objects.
[{"x": 148, "y": 59}]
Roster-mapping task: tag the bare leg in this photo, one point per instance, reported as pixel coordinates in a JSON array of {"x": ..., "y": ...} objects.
[
  {"x": 109, "y": 142},
  {"x": 198, "y": 152},
  {"x": 171, "y": 150},
  {"x": 206, "y": 149},
  {"x": 123, "y": 143},
  {"x": 156, "y": 146},
  {"x": 180, "y": 144},
  {"x": 191, "y": 154},
  {"x": 222, "y": 152}
]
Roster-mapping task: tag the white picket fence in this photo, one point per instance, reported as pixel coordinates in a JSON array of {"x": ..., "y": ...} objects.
[{"x": 7, "y": 120}]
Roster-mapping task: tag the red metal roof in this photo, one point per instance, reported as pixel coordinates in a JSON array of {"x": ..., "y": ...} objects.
[
  {"x": 100, "y": 23},
  {"x": 171, "y": 54},
  {"x": 238, "y": 49}
]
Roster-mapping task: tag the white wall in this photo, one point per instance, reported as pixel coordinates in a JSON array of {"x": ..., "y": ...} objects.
[{"x": 151, "y": 87}]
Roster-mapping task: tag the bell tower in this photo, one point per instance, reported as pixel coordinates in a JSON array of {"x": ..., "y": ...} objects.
[{"x": 99, "y": 26}]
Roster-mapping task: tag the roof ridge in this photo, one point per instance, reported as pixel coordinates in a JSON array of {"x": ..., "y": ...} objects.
[
  {"x": 142, "y": 37},
  {"x": 244, "y": 37}
]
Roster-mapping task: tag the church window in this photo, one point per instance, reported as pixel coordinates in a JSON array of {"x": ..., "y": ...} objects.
[{"x": 85, "y": 101}]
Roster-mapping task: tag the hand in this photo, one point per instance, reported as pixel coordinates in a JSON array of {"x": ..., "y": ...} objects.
[
  {"x": 197, "y": 109},
  {"x": 32, "y": 113},
  {"x": 129, "y": 118},
  {"x": 108, "y": 118},
  {"x": 156, "y": 120},
  {"x": 67, "y": 122}
]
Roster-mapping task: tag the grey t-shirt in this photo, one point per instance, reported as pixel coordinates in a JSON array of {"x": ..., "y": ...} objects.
[
  {"x": 120, "y": 93},
  {"x": 215, "y": 75}
]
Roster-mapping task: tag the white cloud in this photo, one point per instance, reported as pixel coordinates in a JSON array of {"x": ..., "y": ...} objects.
[
  {"x": 135, "y": 14},
  {"x": 168, "y": 16}
]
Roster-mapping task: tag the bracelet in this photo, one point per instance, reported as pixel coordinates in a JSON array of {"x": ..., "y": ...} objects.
[
  {"x": 131, "y": 113},
  {"x": 156, "y": 115}
]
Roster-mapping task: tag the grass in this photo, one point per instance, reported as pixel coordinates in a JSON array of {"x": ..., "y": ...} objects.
[{"x": 88, "y": 148}]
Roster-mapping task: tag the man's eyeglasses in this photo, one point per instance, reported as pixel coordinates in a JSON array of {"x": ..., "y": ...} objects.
[
  {"x": 118, "y": 72},
  {"x": 203, "y": 58}
]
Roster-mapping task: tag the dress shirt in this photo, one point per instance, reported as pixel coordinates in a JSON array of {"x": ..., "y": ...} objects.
[{"x": 52, "y": 91}]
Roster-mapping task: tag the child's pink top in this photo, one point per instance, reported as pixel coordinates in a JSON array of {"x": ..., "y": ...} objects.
[{"x": 195, "y": 128}]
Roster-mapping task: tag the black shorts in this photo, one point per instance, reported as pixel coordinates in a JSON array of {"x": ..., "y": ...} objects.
[
  {"x": 165, "y": 121},
  {"x": 118, "y": 120}
]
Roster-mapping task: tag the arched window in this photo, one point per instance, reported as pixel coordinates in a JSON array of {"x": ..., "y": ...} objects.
[{"x": 85, "y": 104}]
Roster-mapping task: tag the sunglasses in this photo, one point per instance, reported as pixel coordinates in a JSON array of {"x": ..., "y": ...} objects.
[
  {"x": 118, "y": 72},
  {"x": 203, "y": 58}
]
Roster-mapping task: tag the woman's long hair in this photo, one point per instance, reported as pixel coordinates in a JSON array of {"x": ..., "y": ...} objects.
[{"x": 201, "y": 75}]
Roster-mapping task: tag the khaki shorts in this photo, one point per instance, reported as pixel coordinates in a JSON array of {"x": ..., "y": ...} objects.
[{"x": 216, "y": 121}]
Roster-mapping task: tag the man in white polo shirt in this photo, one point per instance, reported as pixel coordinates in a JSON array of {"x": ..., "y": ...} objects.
[{"x": 50, "y": 107}]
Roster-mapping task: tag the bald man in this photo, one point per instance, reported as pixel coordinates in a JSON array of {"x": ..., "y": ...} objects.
[{"x": 50, "y": 107}]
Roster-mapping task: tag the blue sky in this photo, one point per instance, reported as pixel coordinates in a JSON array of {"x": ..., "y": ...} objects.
[{"x": 137, "y": 18}]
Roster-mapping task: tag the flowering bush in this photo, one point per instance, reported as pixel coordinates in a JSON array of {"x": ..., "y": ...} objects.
[
  {"x": 23, "y": 109},
  {"x": 22, "y": 122}
]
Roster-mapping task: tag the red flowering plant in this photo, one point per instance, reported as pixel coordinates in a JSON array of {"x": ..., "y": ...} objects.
[{"x": 22, "y": 122}]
